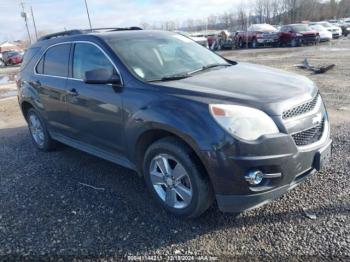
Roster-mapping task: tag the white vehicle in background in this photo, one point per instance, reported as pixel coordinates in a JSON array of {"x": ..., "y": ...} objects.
[
  {"x": 335, "y": 30},
  {"x": 325, "y": 35},
  {"x": 200, "y": 39}
]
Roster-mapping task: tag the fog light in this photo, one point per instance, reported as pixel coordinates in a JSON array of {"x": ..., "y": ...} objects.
[{"x": 254, "y": 177}]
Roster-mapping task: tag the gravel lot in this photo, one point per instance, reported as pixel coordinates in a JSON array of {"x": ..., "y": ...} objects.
[{"x": 47, "y": 211}]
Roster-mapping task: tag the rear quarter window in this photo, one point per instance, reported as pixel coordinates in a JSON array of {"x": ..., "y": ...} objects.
[{"x": 28, "y": 56}]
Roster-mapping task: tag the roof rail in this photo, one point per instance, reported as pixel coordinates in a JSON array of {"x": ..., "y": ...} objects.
[
  {"x": 59, "y": 34},
  {"x": 86, "y": 31}
]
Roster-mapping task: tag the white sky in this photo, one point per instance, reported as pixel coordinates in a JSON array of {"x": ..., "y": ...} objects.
[{"x": 56, "y": 15}]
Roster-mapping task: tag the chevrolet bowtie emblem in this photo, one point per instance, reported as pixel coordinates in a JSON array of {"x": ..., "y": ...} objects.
[{"x": 317, "y": 119}]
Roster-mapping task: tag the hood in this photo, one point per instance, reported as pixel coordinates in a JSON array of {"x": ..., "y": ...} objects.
[
  {"x": 270, "y": 90},
  {"x": 312, "y": 32}
]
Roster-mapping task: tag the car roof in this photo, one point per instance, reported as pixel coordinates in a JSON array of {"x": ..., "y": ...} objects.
[{"x": 91, "y": 36}]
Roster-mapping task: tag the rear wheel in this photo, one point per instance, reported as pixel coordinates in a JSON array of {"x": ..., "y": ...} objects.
[
  {"x": 254, "y": 43},
  {"x": 38, "y": 131},
  {"x": 176, "y": 179}
]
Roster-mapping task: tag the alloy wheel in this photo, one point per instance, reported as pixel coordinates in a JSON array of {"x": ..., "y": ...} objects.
[
  {"x": 36, "y": 130},
  {"x": 171, "y": 181}
]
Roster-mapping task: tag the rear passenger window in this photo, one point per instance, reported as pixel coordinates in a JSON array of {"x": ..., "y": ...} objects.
[
  {"x": 88, "y": 57},
  {"x": 55, "y": 61}
]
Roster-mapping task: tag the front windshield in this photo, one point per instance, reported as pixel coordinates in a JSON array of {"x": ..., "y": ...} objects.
[
  {"x": 156, "y": 56},
  {"x": 263, "y": 28},
  {"x": 325, "y": 24},
  {"x": 12, "y": 53},
  {"x": 318, "y": 28},
  {"x": 301, "y": 28}
]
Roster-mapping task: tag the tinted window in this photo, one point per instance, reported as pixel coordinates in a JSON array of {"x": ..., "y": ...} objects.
[
  {"x": 28, "y": 56},
  {"x": 40, "y": 66},
  {"x": 56, "y": 60},
  {"x": 88, "y": 57}
]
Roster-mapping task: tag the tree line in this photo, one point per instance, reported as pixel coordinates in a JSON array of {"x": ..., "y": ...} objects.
[{"x": 262, "y": 11}]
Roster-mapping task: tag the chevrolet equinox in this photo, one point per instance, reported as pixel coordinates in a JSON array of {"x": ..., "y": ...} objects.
[{"x": 198, "y": 127}]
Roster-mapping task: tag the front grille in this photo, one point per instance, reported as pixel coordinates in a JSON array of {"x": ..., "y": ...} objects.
[
  {"x": 301, "y": 109},
  {"x": 309, "y": 136}
]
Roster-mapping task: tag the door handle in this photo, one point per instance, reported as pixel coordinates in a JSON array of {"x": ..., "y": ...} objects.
[{"x": 72, "y": 92}]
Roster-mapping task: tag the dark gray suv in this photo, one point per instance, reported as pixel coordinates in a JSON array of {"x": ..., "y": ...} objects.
[{"x": 196, "y": 126}]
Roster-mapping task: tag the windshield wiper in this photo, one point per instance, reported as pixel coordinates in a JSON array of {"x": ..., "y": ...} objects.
[
  {"x": 188, "y": 74},
  {"x": 171, "y": 77},
  {"x": 208, "y": 67}
]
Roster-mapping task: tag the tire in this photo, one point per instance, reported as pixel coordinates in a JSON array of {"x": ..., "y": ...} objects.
[
  {"x": 196, "y": 192},
  {"x": 254, "y": 43},
  {"x": 240, "y": 43},
  {"x": 318, "y": 40},
  {"x": 293, "y": 43},
  {"x": 2, "y": 63},
  {"x": 38, "y": 131}
]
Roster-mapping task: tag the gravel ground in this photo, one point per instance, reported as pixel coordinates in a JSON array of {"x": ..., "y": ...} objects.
[{"x": 48, "y": 211}]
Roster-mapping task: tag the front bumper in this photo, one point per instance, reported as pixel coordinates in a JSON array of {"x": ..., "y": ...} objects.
[
  {"x": 267, "y": 41},
  {"x": 244, "y": 202}
]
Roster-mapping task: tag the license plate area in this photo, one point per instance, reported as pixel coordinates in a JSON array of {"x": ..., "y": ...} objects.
[{"x": 323, "y": 157}]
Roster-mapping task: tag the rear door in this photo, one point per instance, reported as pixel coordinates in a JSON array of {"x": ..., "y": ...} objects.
[
  {"x": 51, "y": 74},
  {"x": 95, "y": 109}
]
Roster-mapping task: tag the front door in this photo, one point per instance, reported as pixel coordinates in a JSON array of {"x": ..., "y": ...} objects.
[{"x": 95, "y": 109}]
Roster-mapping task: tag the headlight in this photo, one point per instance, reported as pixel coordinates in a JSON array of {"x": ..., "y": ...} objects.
[
  {"x": 300, "y": 35},
  {"x": 243, "y": 122}
]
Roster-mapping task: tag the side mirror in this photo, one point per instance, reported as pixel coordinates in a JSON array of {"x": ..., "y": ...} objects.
[{"x": 101, "y": 76}]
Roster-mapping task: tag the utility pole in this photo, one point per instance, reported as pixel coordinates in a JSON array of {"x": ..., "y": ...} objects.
[
  {"x": 36, "y": 32},
  {"x": 87, "y": 11},
  {"x": 24, "y": 15}
]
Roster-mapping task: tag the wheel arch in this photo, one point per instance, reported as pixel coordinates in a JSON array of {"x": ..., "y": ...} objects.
[
  {"x": 150, "y": 136},
  {"x": 25, "y": 106}
]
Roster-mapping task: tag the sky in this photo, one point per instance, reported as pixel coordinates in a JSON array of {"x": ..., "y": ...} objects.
[{"x": 58, "y": 15}]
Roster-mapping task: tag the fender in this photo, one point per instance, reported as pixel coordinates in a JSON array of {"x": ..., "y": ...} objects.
[{"x": 178, "y": 118}]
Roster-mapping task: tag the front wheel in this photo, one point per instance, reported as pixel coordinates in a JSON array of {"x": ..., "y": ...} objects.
[
  {"x": 176, "y": 179},
  {"x": 254, "y": 43},
  {"x": 294, "y": 43}
]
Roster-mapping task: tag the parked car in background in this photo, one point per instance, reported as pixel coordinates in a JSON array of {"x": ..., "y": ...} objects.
[
  {"x": 199, "y": 39},
  {"x": 335, "y": 30},
  {"x": 258, "y": 35},
  {"x": 222, "y": 41},
  {"x": 297, "y": 34},
  {"x": 325, "y": 35},
  {"x": 345, "y": 26},
  {"x": 11, "y": 58}
]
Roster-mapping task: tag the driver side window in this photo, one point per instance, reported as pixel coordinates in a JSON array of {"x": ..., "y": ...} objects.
[{"x": 88, "y": 57}]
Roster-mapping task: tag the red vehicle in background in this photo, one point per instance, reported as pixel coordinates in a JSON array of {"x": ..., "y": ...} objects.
[
  {"x": 11, "y": 58},
  {"x": 298, "y": 34},
  {"x": 258, "y": 35}
]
